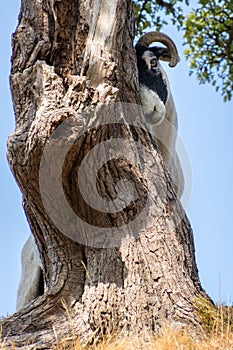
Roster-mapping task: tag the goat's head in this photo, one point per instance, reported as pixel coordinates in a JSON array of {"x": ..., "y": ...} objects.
[{"x": 154, "y": 87}]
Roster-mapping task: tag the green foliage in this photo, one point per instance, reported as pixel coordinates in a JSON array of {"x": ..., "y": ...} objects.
[
  {"x": 207, "y": 312},
  {"x": 209, "y": 36},
  {"x": 208, "y": 33},
  {"x": 157, "y": 13},
  {"x": 214, "y": 319}
]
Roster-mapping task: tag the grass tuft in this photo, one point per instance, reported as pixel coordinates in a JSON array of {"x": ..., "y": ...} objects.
[{"x": 217, "y": 320}]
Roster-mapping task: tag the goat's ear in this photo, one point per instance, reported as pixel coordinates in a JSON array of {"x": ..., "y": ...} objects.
[{"x": 163, "y": 54}]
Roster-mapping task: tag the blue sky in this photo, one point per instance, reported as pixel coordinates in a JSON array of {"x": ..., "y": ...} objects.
[{"x": 205, "y": 126}]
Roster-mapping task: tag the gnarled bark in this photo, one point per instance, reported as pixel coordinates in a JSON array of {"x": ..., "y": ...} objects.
[{"x": 72, "y": 61}]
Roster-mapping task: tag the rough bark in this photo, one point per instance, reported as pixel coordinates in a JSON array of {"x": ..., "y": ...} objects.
[{"x": 69, "y": 58}]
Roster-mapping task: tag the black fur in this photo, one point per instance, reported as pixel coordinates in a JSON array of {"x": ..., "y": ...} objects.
[{"x": 152, "y": 78}]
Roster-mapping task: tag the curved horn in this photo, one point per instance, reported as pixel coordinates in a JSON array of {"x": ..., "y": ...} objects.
[{"x": 152, "y": 37}]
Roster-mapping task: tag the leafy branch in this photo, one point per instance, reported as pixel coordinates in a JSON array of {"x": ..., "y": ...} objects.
[
  {"x": 209, "y": 37},
  {"x": 151, "y": 14}
]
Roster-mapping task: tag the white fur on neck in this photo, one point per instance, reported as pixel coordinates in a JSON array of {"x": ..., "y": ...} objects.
[{"x": 154, "y": 113}]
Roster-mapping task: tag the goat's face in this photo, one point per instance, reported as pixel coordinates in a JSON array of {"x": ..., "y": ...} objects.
[{"x": 154, "y": 88}]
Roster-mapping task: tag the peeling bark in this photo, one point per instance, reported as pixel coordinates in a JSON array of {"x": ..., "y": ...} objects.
[{"x": 70, "y": 58}]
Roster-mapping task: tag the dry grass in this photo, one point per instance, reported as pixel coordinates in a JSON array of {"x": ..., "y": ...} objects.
[
  {"x": 217, "y": 322},
  {"x": 168, "y": 339}
]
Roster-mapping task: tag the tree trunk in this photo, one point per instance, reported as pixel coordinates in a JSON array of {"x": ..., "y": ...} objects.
[{"x": 116, "y": 247}]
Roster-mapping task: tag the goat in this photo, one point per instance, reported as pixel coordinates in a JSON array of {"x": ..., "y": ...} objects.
[{"x": 157, "y": 101}]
